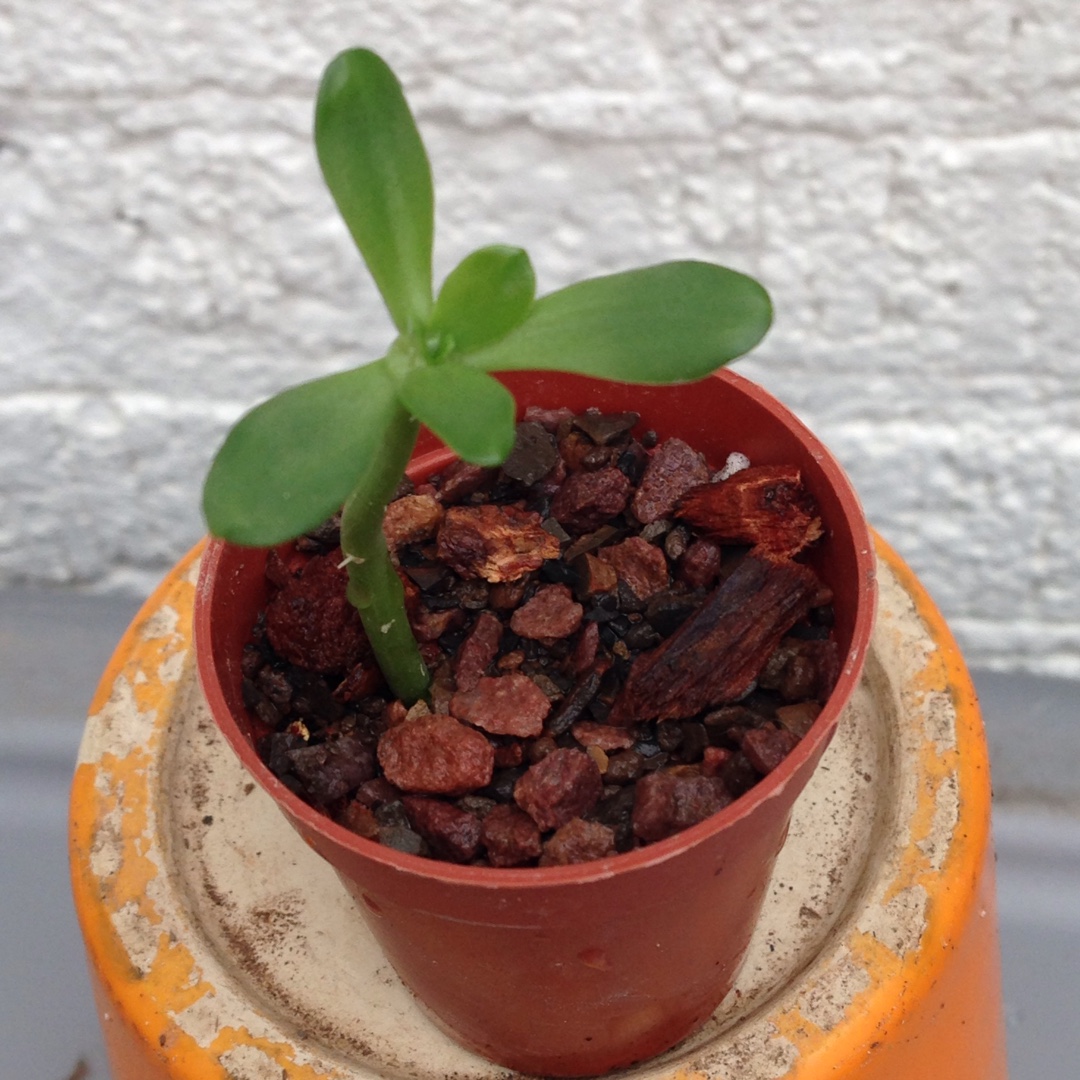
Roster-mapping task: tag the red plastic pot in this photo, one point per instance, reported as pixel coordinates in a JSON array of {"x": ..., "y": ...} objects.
[{"x": 577, "y": 970}]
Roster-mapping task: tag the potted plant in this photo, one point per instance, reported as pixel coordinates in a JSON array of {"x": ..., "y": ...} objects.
[{"x": 555, "y": 969}]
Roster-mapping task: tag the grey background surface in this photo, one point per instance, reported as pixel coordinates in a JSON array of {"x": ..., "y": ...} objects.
[{"x": 54, "y": 644}]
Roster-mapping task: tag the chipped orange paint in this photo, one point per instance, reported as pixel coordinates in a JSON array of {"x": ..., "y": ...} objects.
[
  {"x": 113, "y": 792},
  {"x": 906, "y": 991}
]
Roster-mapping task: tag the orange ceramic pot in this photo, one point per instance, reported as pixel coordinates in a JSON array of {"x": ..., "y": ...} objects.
[
  {"x": 221, "y": 946},
  {"x": 578, "y": 970}
]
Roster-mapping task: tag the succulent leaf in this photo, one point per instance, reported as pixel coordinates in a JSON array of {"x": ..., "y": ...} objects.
[
  {"x": 673, "y": 322},
  {"x": 377, "y": 169},
  {"x": 469, "y": 410},
  {"x": 290, "y": 463},
  {"x": 484, "y": 297}
]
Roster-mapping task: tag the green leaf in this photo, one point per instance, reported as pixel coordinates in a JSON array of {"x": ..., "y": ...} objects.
[
  {"x": 485, "y": 296},
  {"x": 674, "y": 322},
  {"x": 377, "y": 170},
  {"x": 470, "y": 411},
  {"x": 291, "y": 462}
]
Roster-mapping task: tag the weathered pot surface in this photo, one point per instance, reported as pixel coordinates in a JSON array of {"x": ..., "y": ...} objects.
[{"x": 578, "y": 970}]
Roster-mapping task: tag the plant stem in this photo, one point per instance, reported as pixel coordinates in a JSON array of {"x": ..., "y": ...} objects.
[{"x": 374, "y": 586}]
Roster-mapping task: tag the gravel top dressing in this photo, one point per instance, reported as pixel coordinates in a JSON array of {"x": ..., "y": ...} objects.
[{"x": 621, "y": 637}]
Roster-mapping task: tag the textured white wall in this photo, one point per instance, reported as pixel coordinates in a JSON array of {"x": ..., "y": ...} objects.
[{"x": 903, "y": 175}]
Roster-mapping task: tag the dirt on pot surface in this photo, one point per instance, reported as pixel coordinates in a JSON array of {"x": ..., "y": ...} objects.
[{"x": 622, "y": 642}]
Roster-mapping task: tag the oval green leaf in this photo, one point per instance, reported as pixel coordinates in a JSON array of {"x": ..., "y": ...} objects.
[
  {"x": 290, "y": 463},
  {"x": 674, "y": 322},
  {"x": 485, "y": 296},
  {"x": 378, "y": 172},
  {"x": 469, "y": 410}
]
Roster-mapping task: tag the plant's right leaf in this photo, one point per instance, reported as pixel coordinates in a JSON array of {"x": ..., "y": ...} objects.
[
  {"x": 674, "y": 322},
  {"x": 377, "y": 170},
  {"x": 290, "y": 463},
  {"x": 484, "y": 297}
]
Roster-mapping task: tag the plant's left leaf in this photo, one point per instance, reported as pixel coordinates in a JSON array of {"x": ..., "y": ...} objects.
[
  {"x": 377, "y": 170},
  {"x": 484, "y": 297},
  {"x": 469, "y": 410},
  {"x": 674, "y": 322},
  {"x": 290, "y": 463}
]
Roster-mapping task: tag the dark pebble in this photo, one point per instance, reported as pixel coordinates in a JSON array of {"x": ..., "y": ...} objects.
[
  {"x": 534, "y": 455},
  {"x": 429, "y": 578},
  {"x": 605, "y": 428},
  {"x": 573, "y": 705},
  {"x": 641, "y": 636},
  {"x": 669, "y": 736},
  {"x": 501, "y": 788},
  {"x": 559, "y": 573},
  {"x": 694, "y": 741},
  {"x": 402, "y": 838},
  {"x": 392, "y": 814},
  {"x": 667, "y": 611},
  {"x": 629, "y": 601}
]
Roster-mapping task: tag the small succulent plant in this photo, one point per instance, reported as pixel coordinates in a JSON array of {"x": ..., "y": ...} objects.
[{"x": 342, "y": 442}]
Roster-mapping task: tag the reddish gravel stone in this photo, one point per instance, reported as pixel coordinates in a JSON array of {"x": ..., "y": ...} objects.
[
  {"x": 361, "y": 820},
  {"x": 700, "y": 565},
  {"x": 411, "y": 519},
  {"x": 510, "y": 836},
  {"x": 496, "y": 543},
  {"x": 564, "y": 785},
  {"x": 578, "y": 841},
  {"x": 333, "y": 769},
  {"x": 551, "y": 613},
  {"x": 509, "y": 755},
  {"x": 667, "y": 802},
  {"x": 574, "y": 448},
  {"x": 376, "y": 792},
  {"x": 282, "y": 567},
  {"x": 584, "y": 655},
  {"x": 507, "y": 595},
  {"x": 477, "y": 651},
  {"x": 588, "y": 499},
  {"x": 310, "y": 621},
  {"x": 504, "y": 705},
  {"x": 798, "y": 718},
  {"x": 605, "y": 736},
  {"x": 639, "y": 565},
  {"x": 453, "y": 834},
  {"x": 802, "y": 670},
  {"x": 548, "y": 419},
  {"x": 673, "y": 469},
  {"x": 766, "y": 747},
  {"x": 436, "y": 755},
  {"x": 431, "y": 625},
  {"x": 364, "y": 679},
  {"x": 462, "y": 480},
  {"x": 715, "y": 760},
  {"x": 394, "y": 713}
]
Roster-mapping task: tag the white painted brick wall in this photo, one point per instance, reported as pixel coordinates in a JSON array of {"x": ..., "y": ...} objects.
[{"x": 903, "y": 174}]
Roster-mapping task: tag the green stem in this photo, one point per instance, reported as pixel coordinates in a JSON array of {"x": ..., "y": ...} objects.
[{"x": 374, "y": 586}]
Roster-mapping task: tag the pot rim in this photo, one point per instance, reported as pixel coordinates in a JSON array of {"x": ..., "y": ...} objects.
[{"x": 536, "y": 877}]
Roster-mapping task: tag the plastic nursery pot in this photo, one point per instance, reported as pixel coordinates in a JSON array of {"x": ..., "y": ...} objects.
[{"x": 578, "y": 970}]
